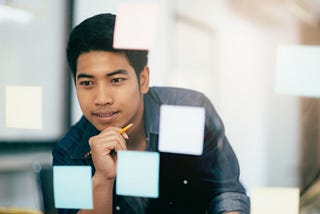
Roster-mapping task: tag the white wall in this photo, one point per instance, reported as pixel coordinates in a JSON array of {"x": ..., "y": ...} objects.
[{"x": 263, "y": 127}]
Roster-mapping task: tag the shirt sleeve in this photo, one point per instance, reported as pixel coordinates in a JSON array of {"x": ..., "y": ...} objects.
[
  {"x": 221, "y": 167},
  {"x": 229, "y": 201}
]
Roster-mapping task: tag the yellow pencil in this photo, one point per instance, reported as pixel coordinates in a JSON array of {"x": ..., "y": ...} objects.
[
  {"x": 125, "y": 128},
  {"x": 121, "y": 131}
]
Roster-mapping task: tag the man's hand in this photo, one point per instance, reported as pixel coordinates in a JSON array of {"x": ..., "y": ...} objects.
[{"x": 104, "y": 147}]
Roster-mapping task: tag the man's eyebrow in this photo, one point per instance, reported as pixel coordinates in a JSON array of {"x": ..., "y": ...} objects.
[
  {"x": 120, "y": 71},
  {"x": 82, "y": 75}
]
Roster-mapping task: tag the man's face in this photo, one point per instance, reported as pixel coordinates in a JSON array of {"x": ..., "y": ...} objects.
[{"x": 108, "y": 90}]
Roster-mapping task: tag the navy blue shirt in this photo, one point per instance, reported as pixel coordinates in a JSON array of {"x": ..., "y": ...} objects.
[{"x": 188, "y": 184}]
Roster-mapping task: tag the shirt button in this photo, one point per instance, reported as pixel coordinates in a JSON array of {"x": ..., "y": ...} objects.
[
  {"x": 117, "y": 208},
  {"x": 185, "y": 182}
]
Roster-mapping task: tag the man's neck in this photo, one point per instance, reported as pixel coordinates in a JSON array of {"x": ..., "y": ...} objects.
[{"x": 137, "y": 141}]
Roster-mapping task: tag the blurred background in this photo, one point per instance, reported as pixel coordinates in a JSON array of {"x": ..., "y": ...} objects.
[{"x": 226, "y": 49}]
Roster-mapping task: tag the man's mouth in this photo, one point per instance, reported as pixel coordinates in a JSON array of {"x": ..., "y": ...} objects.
[{"x": 104, "y": 115}]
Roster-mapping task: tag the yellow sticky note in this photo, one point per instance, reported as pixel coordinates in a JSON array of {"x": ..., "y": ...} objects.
[
  {"x": 275, "y": 200},
  {"x": 135, "y": 25},
  {"x": 23, "y": 107}
]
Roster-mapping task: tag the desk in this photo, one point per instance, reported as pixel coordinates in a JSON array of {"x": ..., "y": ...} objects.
[{"x": 18, "y": 211}]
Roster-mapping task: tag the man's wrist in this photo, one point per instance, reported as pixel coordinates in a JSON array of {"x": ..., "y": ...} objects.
[
  {"x": 102, "y": 193},
  {"x": 99, "y": 179}
]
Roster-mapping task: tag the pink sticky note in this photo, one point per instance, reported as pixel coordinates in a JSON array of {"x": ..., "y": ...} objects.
[{"x": 135, "y": 26}]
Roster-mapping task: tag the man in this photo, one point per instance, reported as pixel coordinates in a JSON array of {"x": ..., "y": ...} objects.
[{"x": 113, "y": 90}]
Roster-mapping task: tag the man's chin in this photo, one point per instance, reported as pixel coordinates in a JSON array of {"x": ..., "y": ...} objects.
[{"x": 100, "y": 127}]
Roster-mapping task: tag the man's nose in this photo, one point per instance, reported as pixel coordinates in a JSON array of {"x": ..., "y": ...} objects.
[{"x": 103, "y": 95}]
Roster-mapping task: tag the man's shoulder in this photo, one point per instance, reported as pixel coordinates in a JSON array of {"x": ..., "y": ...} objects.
[
  {"x": 173, "y": 90},
  {"x": 74, "y": 134},
  {"x": 176, "y": 96},
  {"x": 73, "y": 145}
]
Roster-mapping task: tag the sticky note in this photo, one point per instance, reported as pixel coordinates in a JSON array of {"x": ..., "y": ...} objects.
[
  {"x": 72, "y": 187},
  {"x": 23, "y": 107},
  {"x": 136, "y": 25},
  {"x": 275, "y": 200},
  {"x": 138, "y": 174},
  {"x": 298, "y": 70},
  {"x": 181, "y": 129}
]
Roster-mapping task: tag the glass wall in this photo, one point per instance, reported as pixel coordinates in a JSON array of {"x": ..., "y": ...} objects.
[{"x": 229, "y": 50}]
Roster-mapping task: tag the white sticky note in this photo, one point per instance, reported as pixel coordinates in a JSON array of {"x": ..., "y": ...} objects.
[
  {"x": 181, "y": 129},
  {"x": 298, "y": 70},
  {"x": 135, "y": 26},
  {"x": 138, "y": 174},
  {"x": 72, "y": 187},
  {"x": 23, "y": 107},
  {"x": 275, "y": 200}
]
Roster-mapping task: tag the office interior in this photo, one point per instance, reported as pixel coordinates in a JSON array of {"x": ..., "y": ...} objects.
[{"x": 226, "y": 49}]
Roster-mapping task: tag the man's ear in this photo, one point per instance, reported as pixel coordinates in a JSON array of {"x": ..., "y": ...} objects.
[{"x": 144, "y": 80}]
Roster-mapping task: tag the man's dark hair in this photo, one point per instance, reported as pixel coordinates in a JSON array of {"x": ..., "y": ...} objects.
[{"x": 96, "y": 34}]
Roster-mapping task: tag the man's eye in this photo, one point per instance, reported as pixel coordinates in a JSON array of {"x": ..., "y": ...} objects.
[
  {"x": 86, "y": 83},
  {"x": 117, "y": 80}
]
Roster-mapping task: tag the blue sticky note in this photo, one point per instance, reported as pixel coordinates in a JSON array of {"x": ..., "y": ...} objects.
[
  {"x": 72, "y": 187},
  {"x": 138, "y": 174}
]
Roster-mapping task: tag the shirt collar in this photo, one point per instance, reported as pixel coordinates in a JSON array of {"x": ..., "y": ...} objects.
[
  {"x": 87, "y": 130},
  {"x": 151, "y": 113}
]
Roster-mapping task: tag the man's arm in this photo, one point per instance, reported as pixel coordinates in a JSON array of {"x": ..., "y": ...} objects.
[
  {"x": 102, "y": 195},
  {"x": 104, "y": 149},
  {"x": 103, "y": 189},
  {"x": 227, "y": 195}
]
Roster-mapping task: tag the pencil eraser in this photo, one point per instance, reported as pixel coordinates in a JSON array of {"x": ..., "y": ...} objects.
[
  {"x": 136, "y": 25},
  {"x": 23, "y": 107},
  {"x": 181, "y": 129},
  {"x": 72, "y": 187},
  {"x": 138, "y": 174}
]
